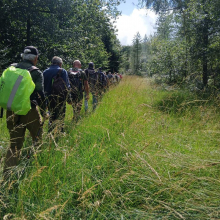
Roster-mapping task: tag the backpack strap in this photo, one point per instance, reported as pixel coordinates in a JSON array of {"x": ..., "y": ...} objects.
[
  {"x": 32, "y": 68},
  {"x": 59, "y": 72},
  {"x": 14, "y": 64}
]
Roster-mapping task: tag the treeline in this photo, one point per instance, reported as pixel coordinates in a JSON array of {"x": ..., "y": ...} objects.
[
  {"x": 186, "y": 46},
  {"x": 70, "y": 29}
]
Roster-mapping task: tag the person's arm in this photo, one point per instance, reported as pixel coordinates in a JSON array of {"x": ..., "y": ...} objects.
[
  {"x": 66, "y": 78},
  {"x": 39, "y": 95},
  {"x": 95, "y": 80},
  {"x": 87, "y": 74},
  {"x": 69, "y": 96},
  {"x": 86, "y": 84},
  {"x": 86, "y": 87}
]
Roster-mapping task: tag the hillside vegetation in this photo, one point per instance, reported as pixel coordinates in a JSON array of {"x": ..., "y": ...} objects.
[{"x": 145, "y": 153}]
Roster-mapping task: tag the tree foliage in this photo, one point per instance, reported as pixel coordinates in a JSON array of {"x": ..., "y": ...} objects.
[
  {"x": 186, "y": 45},
  {"x": 136, "y": 54},
  {"x": 69, "y": 29}
]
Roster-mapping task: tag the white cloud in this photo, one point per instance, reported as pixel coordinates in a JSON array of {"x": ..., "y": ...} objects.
[{"x": 140, "y": 20}]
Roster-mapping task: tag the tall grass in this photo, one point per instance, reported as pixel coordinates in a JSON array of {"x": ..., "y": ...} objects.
[{"x": 144, "y": 153}]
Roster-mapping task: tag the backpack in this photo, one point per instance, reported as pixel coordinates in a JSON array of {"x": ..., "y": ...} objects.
[
  {"x": 92, "y": 77},
  {"x": 102, "y": 79},
  {"x": 58, "y": 85},
  {"x": 75, "y": 81},
  {"x": 105, "y": 80},
  {"x": 16, "y": 87}
]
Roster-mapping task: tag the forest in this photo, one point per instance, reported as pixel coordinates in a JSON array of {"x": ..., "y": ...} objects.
[
  {"x": 185, "y": 49},
  {"x": 66, "y": 28}
]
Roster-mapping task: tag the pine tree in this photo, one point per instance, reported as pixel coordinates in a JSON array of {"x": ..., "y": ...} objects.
[{"x": 136, "y": 54}]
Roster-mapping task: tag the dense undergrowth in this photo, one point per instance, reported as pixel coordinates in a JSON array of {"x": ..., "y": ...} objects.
[{"x": 144, "y": 153}]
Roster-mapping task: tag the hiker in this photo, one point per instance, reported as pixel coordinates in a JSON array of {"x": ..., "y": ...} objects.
[
  {"x": 117, "y": 78},
  {"x": 106, "y": 82},
  {"x": 102, "y": 82},
  {"x": 110, "y": 77},
  {"x": 17, "y": 124},
  {"x": 93, "y": 85},
  {"x": 79, "y": 83},
  {"x": 56, "y": 94},
  {"x": 120, "y": 76}
]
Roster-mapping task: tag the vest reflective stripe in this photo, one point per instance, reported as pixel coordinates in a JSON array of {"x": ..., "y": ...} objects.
[{"x": 13, "y": 92}]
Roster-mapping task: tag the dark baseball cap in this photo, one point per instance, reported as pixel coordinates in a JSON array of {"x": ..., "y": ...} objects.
[
  {"x": 31, "y": 50},
  {"x": 91, "y": 64}
]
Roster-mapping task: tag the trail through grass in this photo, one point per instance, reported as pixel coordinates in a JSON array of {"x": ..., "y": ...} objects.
[{"x": 144, "y": 153}]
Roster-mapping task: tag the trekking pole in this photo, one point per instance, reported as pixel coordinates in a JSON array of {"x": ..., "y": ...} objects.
[{"x": 1, "y": 115}]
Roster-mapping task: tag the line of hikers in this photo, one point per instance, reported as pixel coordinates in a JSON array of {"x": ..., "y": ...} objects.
[{"x": 48, "y": 94}]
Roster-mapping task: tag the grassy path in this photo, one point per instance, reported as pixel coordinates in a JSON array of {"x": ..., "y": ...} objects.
[{"x": 145, "y": 153}]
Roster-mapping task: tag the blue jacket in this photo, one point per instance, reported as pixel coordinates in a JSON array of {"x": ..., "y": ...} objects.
[{"x": 48, "y": 76}]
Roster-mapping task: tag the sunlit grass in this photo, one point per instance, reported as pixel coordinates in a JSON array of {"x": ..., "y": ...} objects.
[{"x": 144, "y": 153}]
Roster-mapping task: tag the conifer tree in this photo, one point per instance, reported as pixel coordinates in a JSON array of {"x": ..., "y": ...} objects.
[{"x": 136, "y": 54}]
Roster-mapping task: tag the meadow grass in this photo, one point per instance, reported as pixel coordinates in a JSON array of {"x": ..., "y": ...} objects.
[{"x": 144, "y": 153}]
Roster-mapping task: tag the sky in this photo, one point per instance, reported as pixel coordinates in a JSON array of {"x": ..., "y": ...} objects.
[{"x": 133, "y": 20}]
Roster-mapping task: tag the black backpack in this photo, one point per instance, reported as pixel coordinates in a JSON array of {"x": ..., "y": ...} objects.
[
  {"x": 102, "y": 79},
  {"x": 58, "y": 85},
  {"x": 75, "y": 81},
  {"x": 92, "y": 77}
]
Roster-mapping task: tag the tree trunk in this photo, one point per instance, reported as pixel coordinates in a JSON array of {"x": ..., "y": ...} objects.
[
  {"x": 205, "y": 49},
  {"x": 186, "y": 52}
]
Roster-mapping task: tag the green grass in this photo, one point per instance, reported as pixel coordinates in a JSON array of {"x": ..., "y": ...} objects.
[{"x": 144, "y": 153}]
